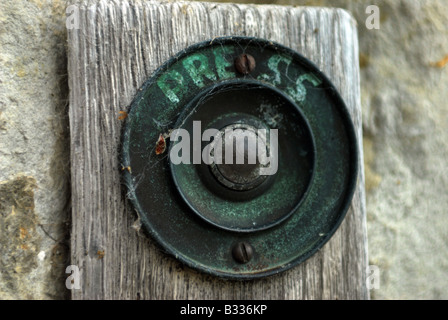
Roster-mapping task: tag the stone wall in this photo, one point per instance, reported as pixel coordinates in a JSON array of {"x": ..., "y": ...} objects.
[
  {"x": 34, "y": 150},
  {"x": 405, "y": 144}
]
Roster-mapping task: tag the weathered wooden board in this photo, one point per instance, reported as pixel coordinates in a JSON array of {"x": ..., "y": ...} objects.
[{"x": 116, "y": 47}]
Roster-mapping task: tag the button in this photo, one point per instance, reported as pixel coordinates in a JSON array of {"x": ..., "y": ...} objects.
[{"x": 242, "y": 157}]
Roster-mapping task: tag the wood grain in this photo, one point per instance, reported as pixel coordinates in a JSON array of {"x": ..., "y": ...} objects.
[{"x": 115, "y": 49}]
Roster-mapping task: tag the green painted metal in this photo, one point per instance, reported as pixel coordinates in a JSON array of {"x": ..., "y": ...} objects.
[
  {"x": 240, "y": 101},
  {"x": 287, "y": 220}
]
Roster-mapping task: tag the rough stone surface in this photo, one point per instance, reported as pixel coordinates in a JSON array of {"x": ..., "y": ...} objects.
[
  {"x": 405, "y": 145},
  {"x": 34, "y": 167}
]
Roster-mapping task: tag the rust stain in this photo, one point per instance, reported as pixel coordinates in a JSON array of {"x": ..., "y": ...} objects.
[
  {"x": 441, "y": 63},
  {"x": 23, "y": 233},
  {"x": 122, "y": 115},
  {"x": 100, "y": 254},
  {"x": 128, "y": 168},
  {"x": 160, "y": 145}
]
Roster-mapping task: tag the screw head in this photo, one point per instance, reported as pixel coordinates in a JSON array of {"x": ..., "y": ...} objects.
[
  {"x": 245, "y": 63},
  {"x": 242, "y": 252}
]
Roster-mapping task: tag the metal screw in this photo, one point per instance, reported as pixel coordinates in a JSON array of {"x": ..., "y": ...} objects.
[
  {"x": 242, "y": 252},
  {"x": 245, "y": 63}
]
